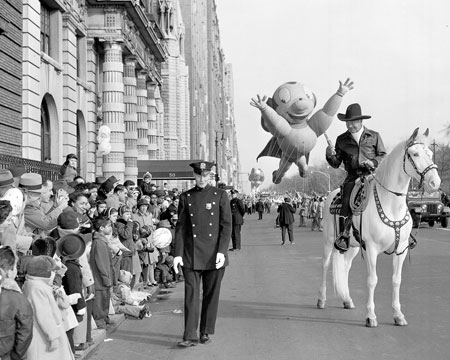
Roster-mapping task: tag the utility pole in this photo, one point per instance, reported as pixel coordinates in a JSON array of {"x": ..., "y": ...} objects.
[{"x": 434, "y": 145}]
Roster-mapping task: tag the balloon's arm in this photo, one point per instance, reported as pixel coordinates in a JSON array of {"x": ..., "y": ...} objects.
[{"x": 330, "y": 143}]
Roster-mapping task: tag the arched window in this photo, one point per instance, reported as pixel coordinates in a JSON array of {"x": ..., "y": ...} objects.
[{"x": 45, "y": 134}]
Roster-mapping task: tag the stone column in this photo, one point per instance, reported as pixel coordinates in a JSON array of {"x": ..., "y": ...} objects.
[
  {"x": 113, "y": 110},
  {"x": 94, "y": 102},
  {"x": 130, "y": 102},
  {"x": 151, "y": 120},
  {"x": 141, "y": 110},
  {"x": 160, "y": 150}
]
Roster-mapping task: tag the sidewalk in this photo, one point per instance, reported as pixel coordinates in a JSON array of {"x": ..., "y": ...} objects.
[{"x": 99, "y": 335}]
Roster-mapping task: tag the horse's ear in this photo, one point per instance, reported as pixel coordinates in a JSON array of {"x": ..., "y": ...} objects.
[
  {"x": 427, "y": 131},
  {"x": 413, "y": 136}
]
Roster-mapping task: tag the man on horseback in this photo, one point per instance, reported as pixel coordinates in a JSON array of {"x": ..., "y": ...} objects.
[{"x": 361, "y": 150}]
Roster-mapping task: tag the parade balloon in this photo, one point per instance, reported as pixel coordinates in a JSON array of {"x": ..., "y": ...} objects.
[
  {"x": 287, "y": 116},
  {"x": 161, "y": 237},
  {"x": 104, "y": 140}
]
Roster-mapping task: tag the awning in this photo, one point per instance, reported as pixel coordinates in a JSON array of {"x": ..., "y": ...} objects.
[{"x": 166, "y": 169}]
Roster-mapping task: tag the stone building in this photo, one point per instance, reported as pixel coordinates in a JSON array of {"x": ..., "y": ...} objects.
[{"x": 11, "y": 77}]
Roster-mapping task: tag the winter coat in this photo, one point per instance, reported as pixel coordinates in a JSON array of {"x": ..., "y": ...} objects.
[
  {"x": 100, "y": 261},
  {"x": 285, "y": 214},
  {"x": 48, "y": 324},
  {"x": 16, "y": 322},
  {"x": 125, "y": 232}
]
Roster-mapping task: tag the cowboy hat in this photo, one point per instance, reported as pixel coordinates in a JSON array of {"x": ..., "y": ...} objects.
[{"x": 353, "y": 113}]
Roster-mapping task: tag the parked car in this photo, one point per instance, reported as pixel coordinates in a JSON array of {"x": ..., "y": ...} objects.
[{"x": 427, "y": 207}]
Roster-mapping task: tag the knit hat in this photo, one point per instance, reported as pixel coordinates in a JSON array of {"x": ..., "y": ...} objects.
[
  {"x": 147, "y": 175},
  {"x": 123, "y": 209},
  {"x": 68, "y": 220},
  {"x": 45, "y": 246},
  {"x": 41, "y": 266},
  {"x": 71, "y": 246}
]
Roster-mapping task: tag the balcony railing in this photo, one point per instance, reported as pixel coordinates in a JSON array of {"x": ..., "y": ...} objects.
[{"x": 47, "y": 170}]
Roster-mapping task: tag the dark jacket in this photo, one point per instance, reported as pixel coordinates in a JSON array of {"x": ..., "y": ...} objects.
[
  {"x": 100, "y": 262},
  {"x": 237, "y": 211},
  {"x": 16, "y": 322},
  {"x": 370, "y": 147},
  {"x": 259, "y": 206},
  {"x": 285, "y": 214},
  {"x": 73, "y": 282},
  {"x": 203, "y": 228}
]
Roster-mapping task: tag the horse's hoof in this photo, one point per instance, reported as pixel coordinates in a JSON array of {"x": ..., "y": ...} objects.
[
  {"x": 371, "y": 323},
  {"x": 321, "y": 304},
  {"x": 400, "y": 321},
  {"x": 349, "y": 305}
]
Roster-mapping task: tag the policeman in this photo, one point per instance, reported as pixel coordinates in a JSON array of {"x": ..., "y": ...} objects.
[
  {"x": 202, "y": 236},
  {"x": 237, "y": 216}
]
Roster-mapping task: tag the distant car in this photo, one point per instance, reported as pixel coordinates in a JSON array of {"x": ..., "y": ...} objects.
[{"x": 427, "y": 207}]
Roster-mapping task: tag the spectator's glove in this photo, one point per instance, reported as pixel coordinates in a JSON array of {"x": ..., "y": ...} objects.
[
  {"x": 220, "y": 260},
  {"x": 53, "y": 345},
  {"x": 177, "y": 261}
]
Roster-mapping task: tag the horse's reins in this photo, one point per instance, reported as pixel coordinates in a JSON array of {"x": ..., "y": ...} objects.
[{"x": 398, "y": 224}]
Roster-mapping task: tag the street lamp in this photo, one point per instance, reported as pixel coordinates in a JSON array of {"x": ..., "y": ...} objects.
[{"x": 327, "y": 175}]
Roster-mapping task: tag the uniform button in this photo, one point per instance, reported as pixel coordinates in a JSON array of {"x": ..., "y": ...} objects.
[
  {"x": 193, "y": 225},
  {"x": 192, "y": 214},
  {"x": 210, "y": 234},
  {"x": 195, "y": 235},
  {"x": 188, "y": 194},
  {"x": 190, "y": 204},
  {"x": 210, "y": 224},
  {"x": 212, "y": 213},
  {"x": 214, "y": 203}
]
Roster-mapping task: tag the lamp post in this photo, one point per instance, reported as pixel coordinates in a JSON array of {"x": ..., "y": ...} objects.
[{"x": 327, "y": 175}]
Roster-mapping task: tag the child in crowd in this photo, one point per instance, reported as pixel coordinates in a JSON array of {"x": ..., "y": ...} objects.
[
  {"x": 100, "y": 261},
  {"x": 16, "y": 314},
  {"x": 49, "y": 338}
]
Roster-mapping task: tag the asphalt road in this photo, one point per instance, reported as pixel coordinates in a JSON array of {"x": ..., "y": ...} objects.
[{"x": 268, "y": 306}]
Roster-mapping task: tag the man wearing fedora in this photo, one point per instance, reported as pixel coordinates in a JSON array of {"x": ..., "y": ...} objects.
[
  {"x": 202, "y": 236},
  {"x": 361, "y": 150}
]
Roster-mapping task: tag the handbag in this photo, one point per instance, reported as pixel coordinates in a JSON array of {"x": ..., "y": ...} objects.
[{"x": 277, "y": 222}]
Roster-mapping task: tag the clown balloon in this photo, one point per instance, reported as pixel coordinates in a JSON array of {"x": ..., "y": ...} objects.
[{"x": 287, "y": 116}]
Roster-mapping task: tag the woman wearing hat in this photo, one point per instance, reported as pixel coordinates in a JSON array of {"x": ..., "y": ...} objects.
[
  {"x": 68, "y": 170},
  {"x": 361, "y": 150}
]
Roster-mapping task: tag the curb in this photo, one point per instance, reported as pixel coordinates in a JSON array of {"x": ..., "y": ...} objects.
[{"x": 99, "y": 335}]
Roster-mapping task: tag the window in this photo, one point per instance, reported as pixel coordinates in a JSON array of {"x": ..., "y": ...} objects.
[
  {"x": 45, "y": 29},
  {"x": 45, "y": 133}
]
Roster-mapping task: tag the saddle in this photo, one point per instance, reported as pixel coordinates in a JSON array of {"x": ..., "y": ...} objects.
[{"x": 358, "y": 197}]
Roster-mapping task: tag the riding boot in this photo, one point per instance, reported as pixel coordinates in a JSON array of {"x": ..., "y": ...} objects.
[{"x": 343, "y": 240}]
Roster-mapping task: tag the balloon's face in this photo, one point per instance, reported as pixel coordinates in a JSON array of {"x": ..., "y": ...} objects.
[{"x": 294, "y": 102}]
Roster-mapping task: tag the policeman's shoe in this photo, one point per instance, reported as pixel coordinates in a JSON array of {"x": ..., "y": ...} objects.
[
  {"x": 204, "y": 339},
  {"x": 187, "y": 343},
  {"x": 342, "y": 242}
]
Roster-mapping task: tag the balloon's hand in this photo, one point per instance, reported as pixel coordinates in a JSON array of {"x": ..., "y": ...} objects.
[
  {"x": 259, "y": 103},
  {"x": 220, "y": 260},
  {"x": 345, "y": 87},
  {"x": 177, "y": 261}
]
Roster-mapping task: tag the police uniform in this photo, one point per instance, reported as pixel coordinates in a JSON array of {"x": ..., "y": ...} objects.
[
  {"x": 237, "y": 216},
  {"x": 202, "y": 231}
]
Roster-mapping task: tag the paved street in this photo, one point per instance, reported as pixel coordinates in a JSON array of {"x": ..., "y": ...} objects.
[{"x": 268, "y": 306}]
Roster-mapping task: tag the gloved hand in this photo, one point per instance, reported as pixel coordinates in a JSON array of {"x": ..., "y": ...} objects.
[
  {"x": 53, "y": 345},
  {"x": 73, "y": 298},
  {"x": 368, "y": 164},
  {"x": 330, "y": 151},
  {"x": 220, "y": 260},
  {"x": 177, "y": 260},
  {"x": 259, "y": 103}
]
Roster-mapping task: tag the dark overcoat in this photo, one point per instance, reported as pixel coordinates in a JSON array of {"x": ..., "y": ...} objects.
[
  {"x": 286, "y": 214},
  {"x": 237, "y": 211},
  {"x": 203, "y": 228}
]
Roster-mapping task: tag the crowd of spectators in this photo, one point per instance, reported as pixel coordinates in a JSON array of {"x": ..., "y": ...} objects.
[{"x": 70, "y": 250}]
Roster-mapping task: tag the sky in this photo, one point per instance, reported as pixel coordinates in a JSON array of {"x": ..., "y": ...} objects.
[{"x": 396, "y": 52}]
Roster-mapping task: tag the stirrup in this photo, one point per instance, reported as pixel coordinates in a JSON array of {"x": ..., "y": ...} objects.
[{"x": 340, "y": 241}]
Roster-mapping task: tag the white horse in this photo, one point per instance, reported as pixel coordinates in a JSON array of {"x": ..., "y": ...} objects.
[{"x": 386, "y": 223}]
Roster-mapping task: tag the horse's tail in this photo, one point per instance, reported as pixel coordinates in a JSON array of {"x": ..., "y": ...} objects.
[{"x": 340, "y": 275}]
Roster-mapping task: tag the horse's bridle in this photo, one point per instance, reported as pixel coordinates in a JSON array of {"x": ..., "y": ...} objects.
[{"x": 413, "y": 164}]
